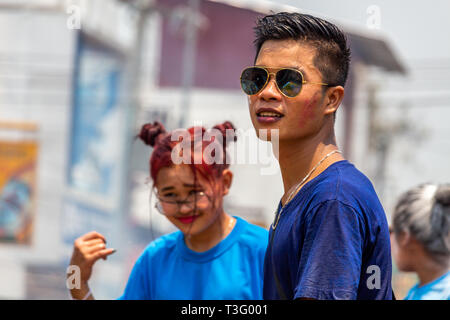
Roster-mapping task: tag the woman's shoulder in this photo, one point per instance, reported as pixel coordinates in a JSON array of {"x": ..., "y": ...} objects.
[
  {"x": 162, "y": 244},
  {"x": 253, "y": 233}
]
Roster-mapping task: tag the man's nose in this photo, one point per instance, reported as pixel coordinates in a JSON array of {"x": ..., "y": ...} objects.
[{"x": 270, "y": 91}]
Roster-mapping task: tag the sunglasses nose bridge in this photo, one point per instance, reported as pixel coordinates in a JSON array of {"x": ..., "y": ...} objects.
[
  {"x": 271, "y": 76},
  {"x": 271, "y": 81}
]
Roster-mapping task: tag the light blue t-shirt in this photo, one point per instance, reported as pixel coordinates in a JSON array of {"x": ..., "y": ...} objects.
[
  {"x": 232, "y": 270},
  {"x": 438, "y": 289}
]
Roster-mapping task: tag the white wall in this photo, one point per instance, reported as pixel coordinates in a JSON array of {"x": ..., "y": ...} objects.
[
  {"x": 36, "y": 55},
  {"x": 421, "y": 102}
]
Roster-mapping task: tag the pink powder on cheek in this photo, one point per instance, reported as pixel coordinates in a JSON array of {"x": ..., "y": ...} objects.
[{"x": 308, "y": 111}]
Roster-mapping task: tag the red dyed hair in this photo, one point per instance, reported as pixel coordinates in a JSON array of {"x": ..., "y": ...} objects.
[{"x": 155, "y": 135}]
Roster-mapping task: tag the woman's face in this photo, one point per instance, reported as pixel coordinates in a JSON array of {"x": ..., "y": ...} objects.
[{"x": 199, "y": 202}]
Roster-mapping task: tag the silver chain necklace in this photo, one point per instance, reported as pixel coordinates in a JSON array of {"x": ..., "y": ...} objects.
[{"x": 297, "y": 188}]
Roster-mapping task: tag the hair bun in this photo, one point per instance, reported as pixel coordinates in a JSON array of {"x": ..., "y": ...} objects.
[
  {"x": 442, "y": 195},
  {"x": 150, "y": 132},
  {"x": 227, "y": 125}
]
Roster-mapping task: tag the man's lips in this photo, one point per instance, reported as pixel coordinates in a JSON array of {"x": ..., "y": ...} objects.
[
  {"x": 187, "y": 220},
  {"x": 268, "y": 115}
]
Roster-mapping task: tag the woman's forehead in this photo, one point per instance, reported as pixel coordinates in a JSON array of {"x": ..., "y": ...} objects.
[{"x": 178, "y": 175}]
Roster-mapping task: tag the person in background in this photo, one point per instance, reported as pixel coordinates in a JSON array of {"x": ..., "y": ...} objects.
[
  {"x": 421, "y": 240},
  {"x": 213, "y": 255}
]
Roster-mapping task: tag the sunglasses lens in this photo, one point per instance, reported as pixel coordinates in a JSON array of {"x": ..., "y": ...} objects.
[
  {"x": 289, "y": 82},
  {"x": 253, "y": 80}
]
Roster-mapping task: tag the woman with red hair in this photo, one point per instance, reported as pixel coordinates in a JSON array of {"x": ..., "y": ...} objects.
[{"x": 213, "y": 255}]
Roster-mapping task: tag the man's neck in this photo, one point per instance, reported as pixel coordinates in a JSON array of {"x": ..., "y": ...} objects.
[{"x": 298, "y": 157}]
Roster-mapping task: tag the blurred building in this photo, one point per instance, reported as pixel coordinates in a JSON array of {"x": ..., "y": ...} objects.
[
  {"x": 69, "y": 85},
  {"x": 85, "y": 89}
]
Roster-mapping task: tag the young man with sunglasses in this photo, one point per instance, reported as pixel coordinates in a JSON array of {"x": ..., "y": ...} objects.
[{"x": 329, "y": 238}]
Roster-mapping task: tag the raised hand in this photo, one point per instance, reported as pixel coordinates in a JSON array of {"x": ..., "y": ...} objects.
[{"x": 87, "y": 250}]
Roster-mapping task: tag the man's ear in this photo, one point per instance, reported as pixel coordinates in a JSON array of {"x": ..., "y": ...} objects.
[
  {"x": 227, "y": 179},
  {"x": 333, "y": 99}
]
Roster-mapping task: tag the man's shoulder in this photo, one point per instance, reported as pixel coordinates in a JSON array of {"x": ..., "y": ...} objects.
[
  {"x": 344, "y": 174},
  {"x": 342, "y": 181}
]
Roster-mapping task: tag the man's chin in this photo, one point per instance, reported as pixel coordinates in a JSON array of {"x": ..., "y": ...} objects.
[{"x": 271, "y": 135}]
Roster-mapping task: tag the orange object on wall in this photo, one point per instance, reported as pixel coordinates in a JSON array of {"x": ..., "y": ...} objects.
[{"x": 18, "y": 160}]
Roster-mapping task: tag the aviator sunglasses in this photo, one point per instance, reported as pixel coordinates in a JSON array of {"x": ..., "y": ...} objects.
[{"x": 288, "y": 81}]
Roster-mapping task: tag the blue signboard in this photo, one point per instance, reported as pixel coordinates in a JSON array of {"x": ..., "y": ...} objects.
[
  {"x": 97, "y": 121},
  {"x": 95, "y": 163}
]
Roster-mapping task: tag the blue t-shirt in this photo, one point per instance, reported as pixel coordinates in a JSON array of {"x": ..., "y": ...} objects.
[
  {"x": 332, "y": 241},
  {"x": 438, "y": 289},
  {"x": 231, "y": 270}
]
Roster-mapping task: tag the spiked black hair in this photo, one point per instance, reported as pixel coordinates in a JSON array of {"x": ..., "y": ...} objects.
[{"x": 332, "y": 54}]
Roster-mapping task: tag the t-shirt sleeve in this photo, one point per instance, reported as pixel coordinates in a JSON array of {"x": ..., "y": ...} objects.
[
  {"x": 331, "y": 255},
  {"x": 137, "y": 285}
]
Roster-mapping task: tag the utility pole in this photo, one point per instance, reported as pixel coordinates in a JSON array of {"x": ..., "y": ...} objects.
[
  {"x": 378, "y": 143},
  {"x": 189, "y": 54},
  {"x": 132, "y": 103},
  {"x": 382, "y": 136}
]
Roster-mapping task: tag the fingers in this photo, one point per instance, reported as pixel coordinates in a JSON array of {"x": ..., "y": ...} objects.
[
  {"x": 93, "y": 235},
  {"x": 87, "y": 250},
  {"x": 90, "y": 247},
  {"x": 100, "y": 254},
  {"x": 89, "y": 240},
  {"x": 94, "y": 248},
  {"x": 94, "y": 243},
  {"x": 108, "y": 253}
]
